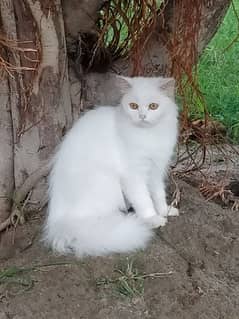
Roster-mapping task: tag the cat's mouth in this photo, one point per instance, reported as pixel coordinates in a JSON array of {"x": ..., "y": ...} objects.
[{"x": 143, "y": 123}]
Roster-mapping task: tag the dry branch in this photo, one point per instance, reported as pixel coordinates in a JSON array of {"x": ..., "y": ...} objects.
[{"x": 20, "y": 196}]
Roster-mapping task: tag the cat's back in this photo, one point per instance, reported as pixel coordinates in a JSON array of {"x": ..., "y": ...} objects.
[
  {"x": 92, "y": 135},
  {"x": 92, "y": 124},
  {"x": 100, "y": 117}
]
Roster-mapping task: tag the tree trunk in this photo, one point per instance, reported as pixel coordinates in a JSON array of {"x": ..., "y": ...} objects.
[
  {"x": 6, "y": 151},
  {"x": 39, "y": 99}
]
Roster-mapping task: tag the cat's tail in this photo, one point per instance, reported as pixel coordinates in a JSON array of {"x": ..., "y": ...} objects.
[{"x": 112, "y": 234}]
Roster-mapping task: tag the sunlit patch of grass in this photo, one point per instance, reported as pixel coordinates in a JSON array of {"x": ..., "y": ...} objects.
[{"x": 218, "y": 71}]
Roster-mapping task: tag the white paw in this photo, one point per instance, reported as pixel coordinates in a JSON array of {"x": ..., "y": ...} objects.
[
  {"x": 169, "y": 211},
  {"x": 173, "y": 211},
  {"x": 146, "y": 213},
  {"x": 155, "y": 221}
]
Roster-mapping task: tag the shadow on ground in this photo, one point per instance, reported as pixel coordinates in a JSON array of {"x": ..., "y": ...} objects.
[{"x": 196, "y": 254}]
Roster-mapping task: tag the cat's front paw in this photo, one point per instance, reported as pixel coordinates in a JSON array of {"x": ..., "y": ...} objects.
[
  {"x": 155, "y": 221},
  {"x": 169, "y": 211},
  {"x": 173, "y": 211},
  {"x": 146, "y": 213}
]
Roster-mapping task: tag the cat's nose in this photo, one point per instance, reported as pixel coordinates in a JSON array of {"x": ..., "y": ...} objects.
[{"x": 142, "y": 116}]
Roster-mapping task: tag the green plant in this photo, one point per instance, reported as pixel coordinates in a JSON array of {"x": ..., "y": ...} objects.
[
  {"x": 129, "y": 282},
  {"x": 218, "y": 71}
]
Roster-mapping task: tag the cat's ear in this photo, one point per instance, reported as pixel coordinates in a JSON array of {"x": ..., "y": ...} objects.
[
  {"x": 168, "y": 85},
  {"x": 123, "y": 83}
]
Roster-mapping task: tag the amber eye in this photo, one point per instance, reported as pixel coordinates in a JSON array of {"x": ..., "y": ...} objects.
[
  {"x": 133, "y": 106},
  {"x": 153, "y": 106}
]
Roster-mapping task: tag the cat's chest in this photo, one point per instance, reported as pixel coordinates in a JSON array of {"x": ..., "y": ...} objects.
[{"x": 146, "y": 144}]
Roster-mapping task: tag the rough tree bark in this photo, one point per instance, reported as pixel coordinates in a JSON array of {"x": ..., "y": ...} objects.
[
  {"x": 6, "y": 151},
  {"x": 39, "y": 102},
  {"x": 38, "y": 107}
]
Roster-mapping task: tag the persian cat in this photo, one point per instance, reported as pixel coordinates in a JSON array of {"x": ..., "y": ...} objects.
[{"x": 112, "y": 157}]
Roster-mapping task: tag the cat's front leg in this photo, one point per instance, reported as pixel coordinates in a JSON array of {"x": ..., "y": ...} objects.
[
  {"x": 136, "y": 190},
  {"x": 159, "y": 198}
]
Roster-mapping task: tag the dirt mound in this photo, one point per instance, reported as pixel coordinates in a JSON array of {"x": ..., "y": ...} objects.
[{"x": 191, "y": 270}]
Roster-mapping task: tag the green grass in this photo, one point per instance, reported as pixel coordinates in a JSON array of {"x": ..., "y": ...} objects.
[
  {"x": 219, "y": 74},
  {"x": 129, "y": 281},
  {"x": 20, "y": 278}
]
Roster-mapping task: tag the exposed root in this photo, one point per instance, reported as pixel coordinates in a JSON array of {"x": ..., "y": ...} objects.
[
  {"x": 22, "y": 196},
  {"x": 176, "y": 194},
  {"x": 31, "y": 181},
  {"x": 221, "y": 192},
  {"x": 4, "y": 225},
  {"x": 235, "y": 206},
  {"x": 13, "y": 46}
]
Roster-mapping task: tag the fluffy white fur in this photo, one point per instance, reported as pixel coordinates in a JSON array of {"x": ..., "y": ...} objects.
[{"x": 111, "y": 156}]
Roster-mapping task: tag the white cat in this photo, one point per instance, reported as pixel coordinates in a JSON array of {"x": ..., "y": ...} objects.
[{"x": 110, "y": 156}]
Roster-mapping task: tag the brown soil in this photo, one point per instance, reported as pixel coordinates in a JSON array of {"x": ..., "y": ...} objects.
[{"x": 200, "y": 247}]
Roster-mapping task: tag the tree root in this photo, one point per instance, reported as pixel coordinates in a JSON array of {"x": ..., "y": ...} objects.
[{"x": 22, "y": 195}]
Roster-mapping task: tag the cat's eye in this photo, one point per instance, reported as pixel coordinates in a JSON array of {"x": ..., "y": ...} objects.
[
  {"x": 133, "y": 106},
  {"x": 153, "y": 106}
]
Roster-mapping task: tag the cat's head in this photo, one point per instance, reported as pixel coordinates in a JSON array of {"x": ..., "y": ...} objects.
[{"x": 146, "y": 100}]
